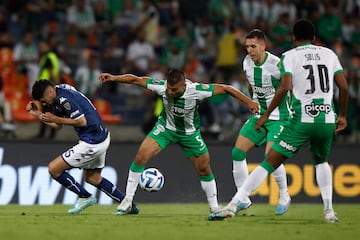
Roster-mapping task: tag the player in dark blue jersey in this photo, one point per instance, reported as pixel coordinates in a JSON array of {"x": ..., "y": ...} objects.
[{"x": 71, "y": 107}]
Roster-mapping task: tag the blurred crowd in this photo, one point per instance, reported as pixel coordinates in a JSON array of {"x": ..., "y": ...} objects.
[{"x": 72, "y": 41}]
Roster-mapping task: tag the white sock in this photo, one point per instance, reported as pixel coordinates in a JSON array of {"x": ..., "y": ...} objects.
[
  {"x": 209, "y": 187},
  {"x": 240, "y": 172},
  {"x": 252, "y": 182},
  {"x": 324, "y": 181},
  {"x": 132, "y": 183},
  {"x": 280, "y": 178}
]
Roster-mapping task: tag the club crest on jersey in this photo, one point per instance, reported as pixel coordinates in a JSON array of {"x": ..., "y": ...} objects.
[
  {"x": 266, "y": 79},
  {"x": 314, "y": 110},
  {"x": 67, "y": 106}
]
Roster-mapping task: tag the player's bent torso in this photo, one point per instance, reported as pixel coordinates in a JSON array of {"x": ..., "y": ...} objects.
[
  {"x": 73, "y": 104},
  {"x": 181, "y": 114}
]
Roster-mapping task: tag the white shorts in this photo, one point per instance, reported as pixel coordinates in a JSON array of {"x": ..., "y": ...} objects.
[{"x": 87, "y": 156}]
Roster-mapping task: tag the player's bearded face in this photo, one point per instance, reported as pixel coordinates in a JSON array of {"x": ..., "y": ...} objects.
[
  {"x": 49, "y": 96},
  {"x": 175, "y": 90},
  {"x": 255, "y": 48}
]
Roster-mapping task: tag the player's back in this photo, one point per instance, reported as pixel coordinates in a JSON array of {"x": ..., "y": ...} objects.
[{"x": 313, "y": 69}]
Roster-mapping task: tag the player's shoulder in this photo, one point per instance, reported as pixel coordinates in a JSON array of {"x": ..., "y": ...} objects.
[
  {"x": 272, "y": 59},
  {"x": 155, "y": 81},
  {"x": 247, "y": 60}
]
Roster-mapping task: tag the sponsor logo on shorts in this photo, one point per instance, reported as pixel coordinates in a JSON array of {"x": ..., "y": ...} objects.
[
  {"x": 287, "y": 146},
  {"x": 314, "y": 110}
]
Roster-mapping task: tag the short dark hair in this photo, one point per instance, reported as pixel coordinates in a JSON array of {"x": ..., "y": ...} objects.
[
  {"x": 256, "y": 33},
  {"x": 304, "y": 29},
  {"x": 39, "y": 87},
  {"x": 174, "y": 76}
]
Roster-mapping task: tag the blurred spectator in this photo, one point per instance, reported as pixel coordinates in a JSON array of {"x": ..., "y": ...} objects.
[
  {"x": 38, "y": 13},
  {"x": 220, "y": 12},
  {"x": 127, "y": 21},
  {"x": 168, "y": 11},
  {"x": 113, "y": 54},
  {"x": 328, "y": 26},
  {"x": 194, "y": 69},
  {"x": 250, "y": 12},
  {"x": 6, "y": 122},
  {"x": 26, "y": 57},
  {"x": 87, "y": 77},
  {"x": 81, "y": 18},
  {"x": 149, "y": 21},
  {"x": 355, "y": 38},
  {"x": 280, "y": 34},
  {"x": 103, "y": 18},
  {"x": 227, "y": 61},
  {"x": 205, "y": 43},
  {"x": 139, "y": 55},
  {"x": 174, "y": 54},
  {"x": 49, "y": 69}
]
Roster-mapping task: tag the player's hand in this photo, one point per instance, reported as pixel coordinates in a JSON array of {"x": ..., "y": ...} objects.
[
  {"x": 34, "y": 108},
  {"x": 259, "y": 123},
  {"x": 253, "y": 107},
  {"x": 340, "y": 124},
  {"x": 105, "y": 77},
  {"x": 47, "y": 117}
]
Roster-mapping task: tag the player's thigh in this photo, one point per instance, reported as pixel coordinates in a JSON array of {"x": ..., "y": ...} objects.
[
  {"x": 274, "y": 128},
  {"x": 161, "y": 135},
  {"x": 248, "y": 131},
  {"x": 290, "y": 139},
  {"x": 321, "y": 141},
  {"x": 192, "y": 145},
  {"x": 148, "y": 149},
  {"x": 87, "y": 156}
]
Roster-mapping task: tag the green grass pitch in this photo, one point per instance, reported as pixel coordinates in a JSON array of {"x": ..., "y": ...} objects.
[{"x": 177, "y": 221}]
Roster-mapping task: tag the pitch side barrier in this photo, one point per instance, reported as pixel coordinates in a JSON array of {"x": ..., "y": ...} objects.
[{"x": 24, "y": 178}]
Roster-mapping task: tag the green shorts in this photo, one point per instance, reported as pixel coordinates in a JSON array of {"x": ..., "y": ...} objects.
[
  {"x": 295, "y": 134},
  {"x": 192, "y": 145},
  {"x": 269, "y": 130}
]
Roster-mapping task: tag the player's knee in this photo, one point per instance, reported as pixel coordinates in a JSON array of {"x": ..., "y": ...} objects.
[
  {"x": 238, "y": 154},
  {"x": 319, "y": 159},
  {"x": 53, "y": 170}
]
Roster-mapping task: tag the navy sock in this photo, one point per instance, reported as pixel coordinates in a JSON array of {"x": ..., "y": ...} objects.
[
  {"x": 107, "y": 187},
  {"x": 69, "y": 182}
]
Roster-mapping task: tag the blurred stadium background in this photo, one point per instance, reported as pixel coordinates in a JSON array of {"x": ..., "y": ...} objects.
[{"x": 144, "y": 37}]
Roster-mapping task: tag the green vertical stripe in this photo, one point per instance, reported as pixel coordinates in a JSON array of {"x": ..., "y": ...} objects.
[
  {"x": 178, "y": 117},
  {"x": 258, "y": 83},
  {"x": 321, "y": 117}
]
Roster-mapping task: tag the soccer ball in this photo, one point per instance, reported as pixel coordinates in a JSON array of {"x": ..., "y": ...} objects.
[{"x": 151, "y": 180}]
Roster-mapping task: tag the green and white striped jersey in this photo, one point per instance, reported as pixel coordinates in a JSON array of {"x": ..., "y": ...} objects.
[
  {"x": 264, "y": 79},
  {"x": 181, "y": 114},
  {"x": 313, "y": 69}
]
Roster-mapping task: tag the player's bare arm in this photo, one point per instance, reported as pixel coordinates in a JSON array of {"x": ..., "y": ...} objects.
[
  {"x": 124, "y": 78},
  {"x": 222, "y": 88},
  {"x": 56, "y": 121},
  {"x": 343, "y": 99}
]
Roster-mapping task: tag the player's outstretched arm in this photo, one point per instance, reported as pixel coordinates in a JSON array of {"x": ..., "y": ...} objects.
[
  {"x": 124, "y": 78},
  {"x": 223, "y": 88}
]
